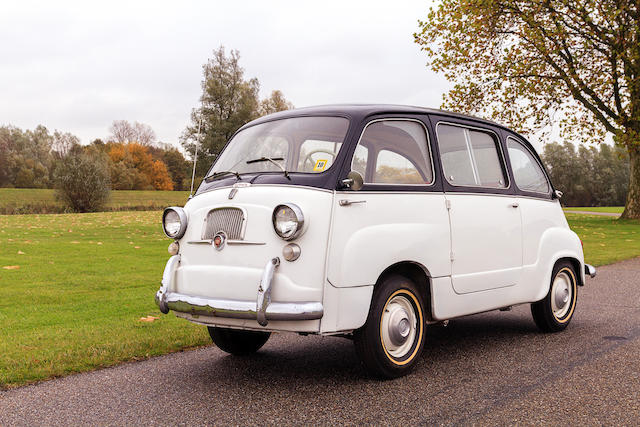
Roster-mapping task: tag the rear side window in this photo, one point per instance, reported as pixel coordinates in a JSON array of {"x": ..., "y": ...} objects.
[
  {"x": 526, "y": 171},
  {"x": 470, "y": 157},
  {"x": 394, "y": 151}
]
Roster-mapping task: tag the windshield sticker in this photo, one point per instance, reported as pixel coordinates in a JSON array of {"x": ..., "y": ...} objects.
[{"x": 320, "y": 165}]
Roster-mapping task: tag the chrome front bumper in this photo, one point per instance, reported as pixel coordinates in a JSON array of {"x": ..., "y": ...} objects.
[{"x": 261, "y": 310}]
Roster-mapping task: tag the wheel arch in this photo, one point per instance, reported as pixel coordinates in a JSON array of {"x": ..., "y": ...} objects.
[
  {"x": 415, "y": 271},
  {"x": 576, "y": 264}
]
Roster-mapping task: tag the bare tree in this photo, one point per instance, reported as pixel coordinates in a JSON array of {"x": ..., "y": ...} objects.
[
  {"x": 122, "y": 131},
  {"x": 64, "y": 142}
]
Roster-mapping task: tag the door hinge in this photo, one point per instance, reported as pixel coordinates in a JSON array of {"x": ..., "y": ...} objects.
[
  {"x": 451, "y": 256},
  {"x": 447, "y": 203}
]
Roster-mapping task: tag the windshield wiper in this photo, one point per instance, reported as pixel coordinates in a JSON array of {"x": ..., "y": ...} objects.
[
  {"x": 272, "y": 160},
  {"x": 215, "y": 175}
]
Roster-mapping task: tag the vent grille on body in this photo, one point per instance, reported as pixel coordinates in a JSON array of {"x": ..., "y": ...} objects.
[{"x": 229, "y": 220}]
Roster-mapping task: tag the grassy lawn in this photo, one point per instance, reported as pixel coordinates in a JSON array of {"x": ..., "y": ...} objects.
[
  {"x": 84, "y": 281},
  {"x": 36, "y": 200},
  {"x": 606, "y": 239},
  {"x": 607, "y": 209}
]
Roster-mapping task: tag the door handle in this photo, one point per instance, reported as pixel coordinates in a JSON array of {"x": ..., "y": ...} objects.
[
  {"x": 514, "y": 204},
  {"x": 345, "y": 202}
]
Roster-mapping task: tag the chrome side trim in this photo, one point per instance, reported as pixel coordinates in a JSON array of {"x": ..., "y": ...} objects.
[
  {"x": 590, "y": 270},
  {"x": 229, "y": 242},
  {"x": 243, "y": 309},
  {"x": 264, "y": 291}
]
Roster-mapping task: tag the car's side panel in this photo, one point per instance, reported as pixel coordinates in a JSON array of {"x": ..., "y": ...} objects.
[
  {"x": 548, "y": 240},
  {"x": 381, "y": 229},
  {"x": 486, "y": 240}
]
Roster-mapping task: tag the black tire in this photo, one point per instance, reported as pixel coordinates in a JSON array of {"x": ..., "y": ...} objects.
[
  {"x": 238, "y": 342},
  {"x": 376, "y": 347},
  {"x": 546, "y": 314}
]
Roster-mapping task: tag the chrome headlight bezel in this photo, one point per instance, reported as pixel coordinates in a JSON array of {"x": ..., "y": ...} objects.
[
  {"x": 182, "y": 216},
  {"x": 299, "y": 221}
]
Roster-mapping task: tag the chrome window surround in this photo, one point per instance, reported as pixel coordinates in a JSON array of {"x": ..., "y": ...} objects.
[
  {"x": 544, "y": 173},
  {"x": 505, "y": 170},
  {"x": 399, "y": 119},
  {"x": 230, "y": 222}
]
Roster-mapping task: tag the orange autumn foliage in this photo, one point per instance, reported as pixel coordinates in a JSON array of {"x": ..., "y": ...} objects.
[
  {"x": 160, "y": 174},
  {"x": 134, "y": 160}
]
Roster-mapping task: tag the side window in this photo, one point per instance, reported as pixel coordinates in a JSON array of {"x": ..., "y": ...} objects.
[
  {"x": 394, "y": 168},
  {"x": 470, "y": 157},
  {"x": 399, "y": 151},
  {"x": 527, "y": 172},
  {"x": 359, "y": 162}
]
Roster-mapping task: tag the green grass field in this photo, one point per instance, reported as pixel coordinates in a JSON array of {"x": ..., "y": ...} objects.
[
  {"x": 607, "y": 209},
  {"x": 73, "y": 288},
  {"x": 36, "y": 200},
  {"x": 82, "y": 285}
]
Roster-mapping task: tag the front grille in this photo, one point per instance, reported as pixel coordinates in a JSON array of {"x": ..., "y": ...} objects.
[{"x": 229, "y": 220}]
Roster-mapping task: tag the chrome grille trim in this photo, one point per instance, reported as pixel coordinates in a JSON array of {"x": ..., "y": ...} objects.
[{"x": 230, "y": 220}]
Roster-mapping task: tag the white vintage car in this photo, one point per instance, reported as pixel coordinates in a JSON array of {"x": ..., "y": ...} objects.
[{"x": 370, "y": 222}]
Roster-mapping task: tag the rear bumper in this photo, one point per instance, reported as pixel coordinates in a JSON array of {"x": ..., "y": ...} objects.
[
  {"x": 590, "y": 270},
  {"x": 262, "y": 309}
]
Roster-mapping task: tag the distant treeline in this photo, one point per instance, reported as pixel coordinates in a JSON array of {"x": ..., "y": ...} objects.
[
  {"x": 588, "y": 176},
  {"x": 134, "y": 160}
]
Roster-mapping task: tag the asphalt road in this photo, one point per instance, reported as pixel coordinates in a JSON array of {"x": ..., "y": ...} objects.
[{"x": 493, "y": 368}]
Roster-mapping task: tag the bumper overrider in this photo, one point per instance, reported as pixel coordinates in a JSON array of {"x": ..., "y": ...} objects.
[
  {"x": 262, "y": 309},
  {"x": 590, "y": 270}
]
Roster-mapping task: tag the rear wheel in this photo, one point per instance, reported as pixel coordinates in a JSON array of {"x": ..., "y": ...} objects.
[
  {"x": 554, "y": 312},
  {"x": 391, "y": 341},
  {"x": 236, "y": 341}
]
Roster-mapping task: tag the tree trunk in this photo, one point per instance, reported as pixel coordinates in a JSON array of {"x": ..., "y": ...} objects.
[{"x": 632, "y": 208}]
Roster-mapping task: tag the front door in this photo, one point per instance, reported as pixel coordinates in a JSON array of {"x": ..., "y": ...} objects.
[{"x": 398, "y": 215}]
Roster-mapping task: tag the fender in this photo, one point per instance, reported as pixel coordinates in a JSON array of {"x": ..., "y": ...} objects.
[
  {"x": 369, "y": 251},
  {"x": 556, "y": 243}
]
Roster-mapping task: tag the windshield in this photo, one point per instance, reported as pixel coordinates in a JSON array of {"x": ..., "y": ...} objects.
[{"x": 300, "y": 144}]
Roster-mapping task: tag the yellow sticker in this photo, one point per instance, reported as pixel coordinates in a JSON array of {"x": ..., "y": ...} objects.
[{"x": 320, "y": 165}]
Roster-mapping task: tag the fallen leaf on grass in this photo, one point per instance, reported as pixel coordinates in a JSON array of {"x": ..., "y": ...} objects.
[
  {"x": 136, "y": 247},
  {"x": 148, "y": 319},
  {"x": 11, "y": 267},
  {"x": 74, "y": 242},
  {"x": 20, "y": 253}
]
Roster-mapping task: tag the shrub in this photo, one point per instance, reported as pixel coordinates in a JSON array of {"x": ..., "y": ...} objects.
[{"x": 82, "y": 181}]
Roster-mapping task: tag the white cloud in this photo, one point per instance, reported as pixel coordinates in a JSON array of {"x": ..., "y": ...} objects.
[{"x": 77, "y": 66}]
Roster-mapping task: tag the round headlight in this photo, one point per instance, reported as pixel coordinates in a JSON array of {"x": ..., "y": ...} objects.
[
  {"x": 288, "y": 221},
  {"x": 174, "y": 222}
]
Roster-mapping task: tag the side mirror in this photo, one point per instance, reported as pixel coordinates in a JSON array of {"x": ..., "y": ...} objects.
[
  {"x": 557, "y": 194},
  {"x": 354, "y": 181}
]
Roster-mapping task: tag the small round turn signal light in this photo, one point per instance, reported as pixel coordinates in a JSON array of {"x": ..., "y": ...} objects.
[
  {"x": 291, "y": 252},
  {"x": 173, "y": 249}
]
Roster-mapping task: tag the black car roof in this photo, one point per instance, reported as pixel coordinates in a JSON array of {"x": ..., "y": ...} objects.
[{"x": 363, "y": 110}]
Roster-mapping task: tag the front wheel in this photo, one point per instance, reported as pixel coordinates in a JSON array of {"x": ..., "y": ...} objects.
[
  {"x": 554, "y": 312},
  {"x": 391, "y": 341},
  {"x": 236, "y": 341}
]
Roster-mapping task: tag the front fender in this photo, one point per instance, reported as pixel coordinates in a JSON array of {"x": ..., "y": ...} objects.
[{"x": 370, "y": 250}]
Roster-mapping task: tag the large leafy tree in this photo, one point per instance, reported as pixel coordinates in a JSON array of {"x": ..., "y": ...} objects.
[
  {"x": 532, "y": 64},
  {"x": 228, "y": 101}
]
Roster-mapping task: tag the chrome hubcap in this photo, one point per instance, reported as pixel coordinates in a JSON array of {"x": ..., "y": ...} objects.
[
  {"x": 398, "y": 326},
  {"x": 561, "y": 295}
]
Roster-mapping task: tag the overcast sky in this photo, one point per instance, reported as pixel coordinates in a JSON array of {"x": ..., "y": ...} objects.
[{"x": 77, "y": 65}]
